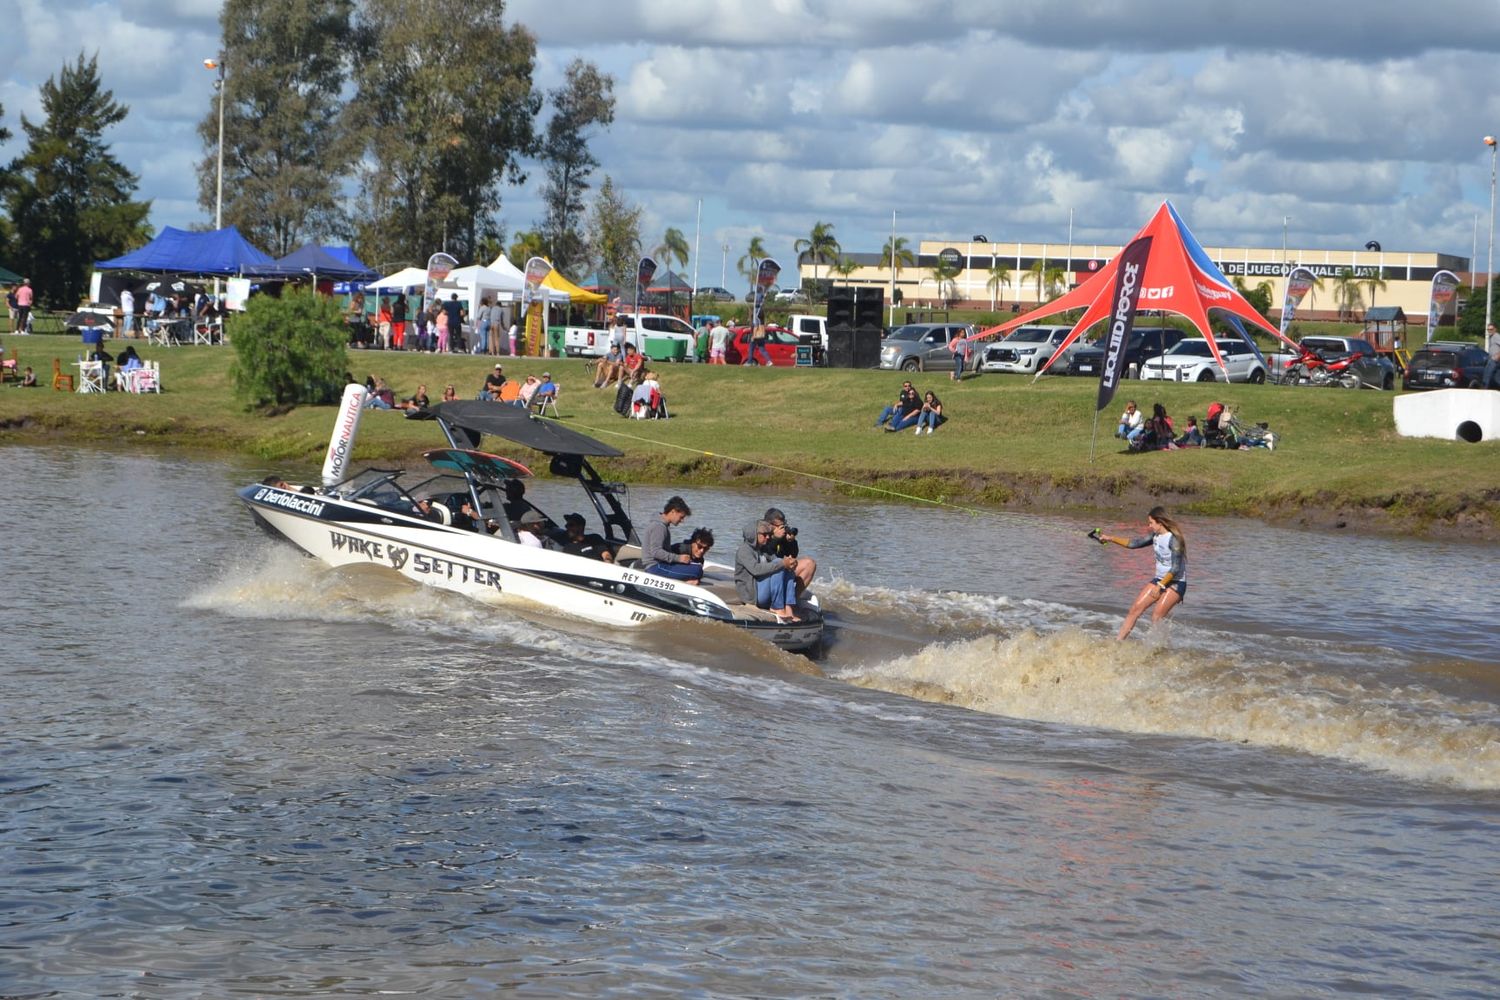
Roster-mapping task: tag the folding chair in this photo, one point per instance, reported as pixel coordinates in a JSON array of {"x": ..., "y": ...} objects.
[
  {"x": 61, "y": 381},
  {"x": 91, "y": 376},
  {"x": 144, "y": 379},
  {"x": 10, "y": 369},
  {"x": 545, "y": 401}
]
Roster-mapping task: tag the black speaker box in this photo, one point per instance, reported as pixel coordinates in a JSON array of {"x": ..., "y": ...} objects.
[
  {"x": 840, "y": 307},
  {"x": 841, "y": 347},
  {"x": 866, "y": 347},
  {"x": 869, "y": 308}
]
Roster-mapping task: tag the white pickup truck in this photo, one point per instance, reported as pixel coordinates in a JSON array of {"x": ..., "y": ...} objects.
[
  {"x": 809, "y": 329},
  {"x": 660, "y": 338}
]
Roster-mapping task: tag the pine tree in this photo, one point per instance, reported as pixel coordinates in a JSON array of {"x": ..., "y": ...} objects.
[
  {"x": 68, "y": 198},
  {"x": 290, "y": 141},
  {"x": 615, "y": 232},
  {"x": 586, "y": 100}
]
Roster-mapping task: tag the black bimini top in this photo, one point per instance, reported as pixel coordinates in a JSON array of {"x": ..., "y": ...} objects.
[{"x": 520, "y": 426}]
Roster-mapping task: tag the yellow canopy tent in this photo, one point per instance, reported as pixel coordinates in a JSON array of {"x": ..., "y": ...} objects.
[{"x": 577, "y": 296}]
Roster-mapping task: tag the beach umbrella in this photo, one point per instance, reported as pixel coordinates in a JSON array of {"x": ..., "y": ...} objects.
[{"x": 82, "y": 319}]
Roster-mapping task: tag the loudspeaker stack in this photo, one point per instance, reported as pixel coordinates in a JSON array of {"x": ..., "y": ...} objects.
[{"x": 855, "y": 327}]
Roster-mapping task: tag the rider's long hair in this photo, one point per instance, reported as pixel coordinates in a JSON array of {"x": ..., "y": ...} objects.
[{"x": 1159, "y": 515}]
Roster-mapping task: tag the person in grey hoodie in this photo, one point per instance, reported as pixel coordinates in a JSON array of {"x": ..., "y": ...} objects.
[{"x": 763, "y": 578}]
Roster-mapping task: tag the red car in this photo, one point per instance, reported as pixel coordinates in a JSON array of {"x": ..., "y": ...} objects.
[{"x": 781, "y": 345}]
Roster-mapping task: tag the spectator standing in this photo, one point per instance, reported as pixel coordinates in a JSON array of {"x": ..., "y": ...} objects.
[
  {"x": 127, "y": 313},
  {"x": 512, "y": 335},
  {"x": 717, "y": 341},
  {"x": 22, "y": 314},
  {"x": 482, "y": 327},
  {"x": 453, "y": 310},
  {"x": 398, "y": 322},
  {"x": 960, "y": 347},
  {"x": 1492, "y": 348}
]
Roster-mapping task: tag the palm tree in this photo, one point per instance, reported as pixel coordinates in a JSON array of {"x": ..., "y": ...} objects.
[
  {"x": 673, "y": 246},
  {"x": 1346, "y": 291},
  {"x": 944, "y": 273},
  {"x": 753, "y": 256},
  {"x": 895, "y": 255},
  {"x": 1374, "y": 283},
  {"x": 845, "y": 266},
  {"x": 999, "y": 278},
  {"x": 819, "y": 246},
  {"x": 1046, "y": 279},
  {"x": 526, "y": 245}
]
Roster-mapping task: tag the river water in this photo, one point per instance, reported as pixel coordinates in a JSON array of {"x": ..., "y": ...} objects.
[{"x": 229, "y": 771}]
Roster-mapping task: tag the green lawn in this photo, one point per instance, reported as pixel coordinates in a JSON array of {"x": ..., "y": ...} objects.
[{"x": 1008, "y": 442}]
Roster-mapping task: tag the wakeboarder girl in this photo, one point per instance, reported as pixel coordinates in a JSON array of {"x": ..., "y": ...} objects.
[{"x": 1169, "y": 584}]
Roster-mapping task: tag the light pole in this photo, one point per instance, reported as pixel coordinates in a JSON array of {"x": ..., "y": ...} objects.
[
  {"x": 1489, "y": 269},
  {"x": 218, "y": 64},
  {"x": 724, "y": 267}
]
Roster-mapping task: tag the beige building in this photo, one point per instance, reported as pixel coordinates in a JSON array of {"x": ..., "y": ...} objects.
[{"x": 1407, "y": 275}]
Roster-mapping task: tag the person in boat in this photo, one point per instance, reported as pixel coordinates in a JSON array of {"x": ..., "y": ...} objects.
[
  {"x": 577, "y": 542},
  {"x": 699, "y": 544},
  {"x": 657, "y": 554},
  {"x": 282, "y": 484},
  {"x": 784, "y": 543},
  {"x": 761, "y": 577},
  {"x": 1168, "y": 585},
  {"x": 517, "y": 506},
  {"x": 529, "y": 531}
]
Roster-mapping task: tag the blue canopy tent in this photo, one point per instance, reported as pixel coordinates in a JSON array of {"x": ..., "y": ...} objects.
[
  {"x": 312, "y": 260},
  {"x": 346, "y": 254},
  {"x": 178, "y": 251}
]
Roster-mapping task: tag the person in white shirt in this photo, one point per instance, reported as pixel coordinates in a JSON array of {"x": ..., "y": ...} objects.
[
  {"x": 718, "y": 339},
  {"x": 127, "y": 313}
]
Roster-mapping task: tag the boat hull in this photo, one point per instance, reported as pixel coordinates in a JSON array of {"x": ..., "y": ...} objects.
[{"x": 492, "y": 569}]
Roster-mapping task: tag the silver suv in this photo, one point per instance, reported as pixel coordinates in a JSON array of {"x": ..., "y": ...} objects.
[{"x": 922, "y": 347}]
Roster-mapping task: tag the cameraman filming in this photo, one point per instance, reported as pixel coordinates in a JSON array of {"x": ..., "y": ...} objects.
[{"x": 783, "y": 542}]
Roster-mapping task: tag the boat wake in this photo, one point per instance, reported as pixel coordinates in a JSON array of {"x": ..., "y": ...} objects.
[
  {"x": 1074, "y": 678},
  {"x": 1036, "y": 660}
]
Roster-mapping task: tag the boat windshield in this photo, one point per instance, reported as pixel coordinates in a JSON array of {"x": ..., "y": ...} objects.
[{"x": 378, "y": 486}]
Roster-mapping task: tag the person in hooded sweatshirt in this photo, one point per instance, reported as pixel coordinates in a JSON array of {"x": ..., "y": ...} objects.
[{"x": 764, "y": 578}]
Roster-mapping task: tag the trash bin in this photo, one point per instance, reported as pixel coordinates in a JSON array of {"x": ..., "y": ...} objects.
[{"x": 666, "y": 349}]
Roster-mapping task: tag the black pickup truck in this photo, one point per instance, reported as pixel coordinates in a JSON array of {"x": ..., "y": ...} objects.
[{"x": 1143, "y": 344}]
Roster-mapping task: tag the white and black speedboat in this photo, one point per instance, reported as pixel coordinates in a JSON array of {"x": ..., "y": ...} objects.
[{"x": 376, "y": 518}]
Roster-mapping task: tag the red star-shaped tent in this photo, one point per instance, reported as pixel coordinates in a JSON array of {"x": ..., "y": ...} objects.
[{"x": 1180, "y": 278}]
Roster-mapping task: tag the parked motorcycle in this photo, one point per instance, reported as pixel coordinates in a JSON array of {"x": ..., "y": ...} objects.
[{"x": 1311, "y": 368}]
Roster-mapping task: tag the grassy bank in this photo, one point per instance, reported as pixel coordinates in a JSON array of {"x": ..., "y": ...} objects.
[{"x": 1009, "y": 443}]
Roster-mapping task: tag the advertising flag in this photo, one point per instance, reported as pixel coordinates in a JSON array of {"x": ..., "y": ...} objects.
[
  {"x": 765, "y": 277},
  {"x": 535, "y": 304},
  {"x": 645, "y": 270},
  {"x": 1444, "y": 287},
  {"x": 439, "y": 265},
  {"x": 1132, "y": 268},
  {"x": 1298, "y": 283}
]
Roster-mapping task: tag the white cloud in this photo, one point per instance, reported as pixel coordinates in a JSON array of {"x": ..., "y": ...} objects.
[{"x": 1357, "y": 121}]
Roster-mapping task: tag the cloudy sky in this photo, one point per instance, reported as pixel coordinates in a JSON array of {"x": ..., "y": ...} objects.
[{"x": 1352, "y": 120}]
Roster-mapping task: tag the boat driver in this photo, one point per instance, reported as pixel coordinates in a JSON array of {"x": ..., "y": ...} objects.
[{"x": 579, "y": 543}]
